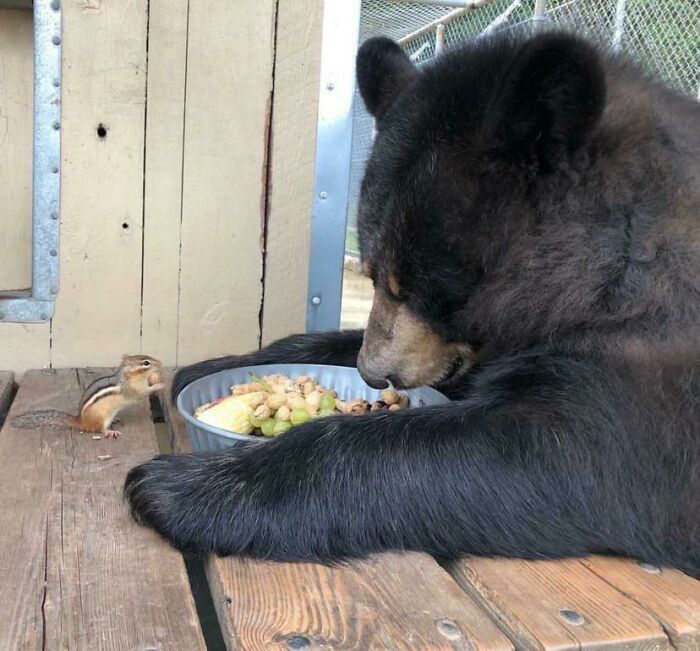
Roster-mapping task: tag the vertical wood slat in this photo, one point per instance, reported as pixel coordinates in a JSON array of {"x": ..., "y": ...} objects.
[
  {"x": 167, "y": 59},
  {"x": 98, "y": 310},
  {"x": 227, "y": 108},
  {"x": 291, "y": 170},
  {"x": 77, "y": 572}
]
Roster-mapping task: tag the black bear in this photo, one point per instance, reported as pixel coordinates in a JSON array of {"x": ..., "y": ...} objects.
[{"x": 530, "y": 217}]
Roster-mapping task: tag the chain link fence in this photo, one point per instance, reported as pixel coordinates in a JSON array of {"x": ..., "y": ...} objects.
[{"x": 664, "y": 35}]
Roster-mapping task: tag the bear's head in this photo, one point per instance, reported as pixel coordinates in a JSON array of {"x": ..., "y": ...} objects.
[{"x": 512, "y": 195}]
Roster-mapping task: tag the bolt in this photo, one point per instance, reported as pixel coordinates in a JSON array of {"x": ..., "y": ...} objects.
[
  {"x": 55, "y": 5},
  {"x": 43, "y": 317},
  {"x": 298, "y": 642},
  {"x": 323, "y": 194},
  {"x": 54, "y": 290},
  {"x": 56, "y": 40},
  {"x": 647, "y": 567},
  {"x": 447, "y": 628},
  {"x": 316, "y": 300},
  {"x": 572, "y": 617},
  {"x": 54, "y": 170},
  {"x": 54, "y": 215},
  {"x": 57, "y": 125},
  {"x": 53, "y": 253},
  {"x": 56, "y": 83},
  {"x": 330, "y": 85}
]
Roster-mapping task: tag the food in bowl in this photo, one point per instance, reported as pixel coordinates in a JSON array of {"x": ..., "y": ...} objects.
[{"x": 270, "y": 405}]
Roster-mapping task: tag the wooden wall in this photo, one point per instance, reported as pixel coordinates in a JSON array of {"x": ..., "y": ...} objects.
[{"x": 184, "y": 229}]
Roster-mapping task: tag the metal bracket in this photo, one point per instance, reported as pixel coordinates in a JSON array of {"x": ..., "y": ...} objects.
[
  {"x": 341, "y": 26},
  {"x": 37, "y": 304}
]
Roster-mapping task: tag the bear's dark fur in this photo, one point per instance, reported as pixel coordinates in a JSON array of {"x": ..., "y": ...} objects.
[{"x": 539, "y": 202}]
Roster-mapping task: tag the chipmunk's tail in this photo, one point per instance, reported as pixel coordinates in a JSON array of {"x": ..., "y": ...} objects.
[{"x": 44, "y": 419}]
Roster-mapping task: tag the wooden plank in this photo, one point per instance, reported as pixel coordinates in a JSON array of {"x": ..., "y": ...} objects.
[
  {"x": 77, "y": 572},
  {"x": 179, "y": 440},
  {"x": 672, "y": 597},
  {"x": 540, "y": 603},
  {"x": 7, "y": 392},
  {"x": 16, "y": 102},
  {"x": 291, "y": 170},
  {"x": 23, "y": 346},
  {"x": 167, "y": 53},
  {"x": 98, "y": 309},
  {"x": 390, "y": 602},
  {"x": 229, "y": 83}
]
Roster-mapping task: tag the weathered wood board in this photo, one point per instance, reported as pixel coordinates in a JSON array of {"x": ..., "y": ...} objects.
[
  {"x": 77, "y": 572},
  {"x": 98, "y": 308},
  {"x": 292, "y": 150},
  {"x": 562, "y": 605}
]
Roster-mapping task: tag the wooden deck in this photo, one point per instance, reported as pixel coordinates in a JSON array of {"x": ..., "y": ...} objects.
[{"x": 77, "y": 573}]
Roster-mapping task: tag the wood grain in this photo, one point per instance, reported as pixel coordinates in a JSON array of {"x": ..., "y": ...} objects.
[
  {"x": 167, "y": 58},
  {"x": 527, "y": 599},
  {"x": 292, "y": 155},
  {"x": 229, "y": 83},
  {"x": 667, "y": 594},
  {"x": 77, "y": 572},
  {"x": 98, "y": 309},
  {"x": 390, "y": 602}
]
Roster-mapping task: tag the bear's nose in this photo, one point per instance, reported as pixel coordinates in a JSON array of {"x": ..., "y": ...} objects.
[{"x": 374, "y": 381}]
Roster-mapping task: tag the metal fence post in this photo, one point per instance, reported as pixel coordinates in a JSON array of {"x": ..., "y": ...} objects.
[{"x": 341, "y": 25}]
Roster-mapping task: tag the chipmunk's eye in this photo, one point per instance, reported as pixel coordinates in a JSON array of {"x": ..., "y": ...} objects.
[{"x": 146, "y": 363}]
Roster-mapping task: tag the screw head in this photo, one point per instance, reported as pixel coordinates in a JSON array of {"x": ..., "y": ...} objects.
[
  {"x": 55, "y": 5},
  {"x": 323, "y": 195},
  {"x": 57, "y": 125},
  {"x": 330, "y": 85},
  {"x": 56, "y": 83},
  {"x": 54, "y": 170},
  {"x": 572, "y": 617},
  {"x": 54, "y": 290},
  {"x": 447, "y": 628},
  {"x": 43, "y": 317},
  {"x": 316, "y": 300},
  {"x": 54, "y": 215},
  {"x": 56, "y": 40},
  {"x": 53, "y": 253},
  {"x": 648, "y": 567}
]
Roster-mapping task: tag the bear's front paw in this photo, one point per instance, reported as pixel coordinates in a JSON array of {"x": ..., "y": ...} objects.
[{"x": 189, "y": 499}]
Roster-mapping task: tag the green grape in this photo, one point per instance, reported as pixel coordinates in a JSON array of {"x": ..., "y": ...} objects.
[
  {"x": 255, "y": 422},
  {"x": 299, "y": 416},
  {"x": 281, "y": 426},
  {"x": 268, "y": 427},
  {"x": 326, "y": 412},
  {"x": 327, "y": 402}
]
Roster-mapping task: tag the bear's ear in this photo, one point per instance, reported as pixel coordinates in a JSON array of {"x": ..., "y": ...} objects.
[
  {"x": 550, "y": 100},
  {"x": 383, "y": 71}
]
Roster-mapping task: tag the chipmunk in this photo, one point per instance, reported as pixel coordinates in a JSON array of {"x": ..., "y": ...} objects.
[{"x": 136, "y": 378}]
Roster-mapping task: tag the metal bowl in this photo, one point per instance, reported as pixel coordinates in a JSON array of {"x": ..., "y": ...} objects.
[{"x": 346, "y": 381}]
